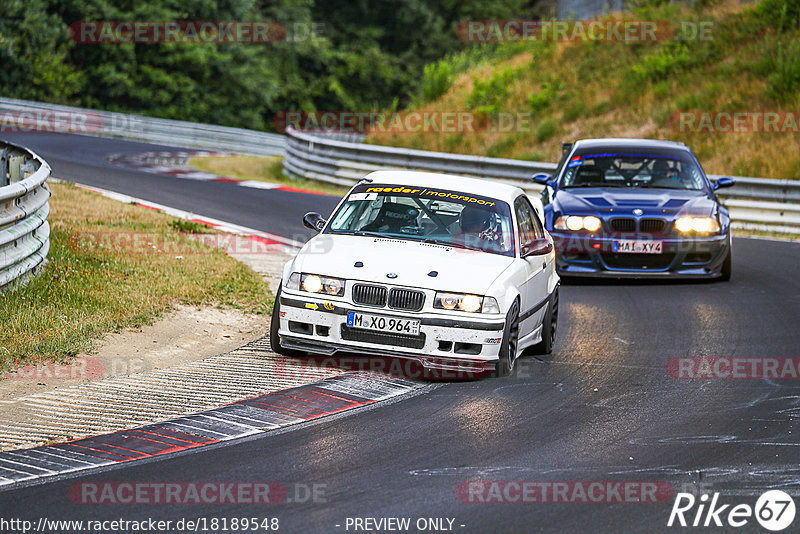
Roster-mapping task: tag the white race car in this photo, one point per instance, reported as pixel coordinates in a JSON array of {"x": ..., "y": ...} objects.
[{"x": 455, "y": 273}]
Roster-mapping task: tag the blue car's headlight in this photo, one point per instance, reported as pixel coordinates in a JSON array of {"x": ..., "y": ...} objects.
[
  {"x": 698, "y": 225},
  {"x": 576, "y": 223}
]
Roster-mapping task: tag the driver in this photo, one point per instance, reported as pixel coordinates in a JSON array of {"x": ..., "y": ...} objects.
[
  {"x": 663, "y": 175},
  {"x": 476, "y": 224}
]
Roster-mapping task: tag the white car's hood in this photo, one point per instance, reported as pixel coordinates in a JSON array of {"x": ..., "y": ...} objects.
[{"x": 459, "y": 270}]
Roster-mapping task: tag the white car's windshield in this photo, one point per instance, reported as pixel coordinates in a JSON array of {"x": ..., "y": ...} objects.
[{"x": 422, "y": 214}]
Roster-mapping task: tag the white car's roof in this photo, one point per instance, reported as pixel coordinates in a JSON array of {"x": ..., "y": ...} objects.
[{"x": 461, "y": 184}]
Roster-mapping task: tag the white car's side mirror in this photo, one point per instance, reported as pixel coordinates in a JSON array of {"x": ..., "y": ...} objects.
[
  {"x": 537, "y": 247},
  {"x": 314, "y": 221}
]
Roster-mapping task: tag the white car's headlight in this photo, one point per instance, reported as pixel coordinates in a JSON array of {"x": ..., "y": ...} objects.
[
  {"x": 700, "y": 225},
  {"x": 314, "y": 283},
  {"x": 465, "y": 302},
  {"x": 576, "y": 223}
]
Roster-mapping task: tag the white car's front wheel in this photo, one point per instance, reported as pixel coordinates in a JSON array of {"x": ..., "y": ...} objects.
[
  {"x": 549, "y": 327},
  {"x": 274, "y": 325},
  {"x": 508, "y": 347}
]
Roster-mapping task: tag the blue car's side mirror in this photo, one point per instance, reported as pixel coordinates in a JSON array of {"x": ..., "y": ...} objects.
[
  {"x": 724, "y": 181},
  {"x": 542, "y": 178}
]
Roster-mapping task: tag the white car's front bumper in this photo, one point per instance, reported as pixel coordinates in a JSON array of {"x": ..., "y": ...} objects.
[{"x": 319, "y": 326}]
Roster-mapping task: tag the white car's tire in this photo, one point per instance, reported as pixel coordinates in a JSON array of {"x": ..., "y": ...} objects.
[
  {"x": 508, "y": 347},
  {"x": 549, "y": 328},
  {"x": 274, "y": 325}
]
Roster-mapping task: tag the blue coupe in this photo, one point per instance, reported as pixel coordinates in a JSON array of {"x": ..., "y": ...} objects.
[{"x": 636, "y": 208}]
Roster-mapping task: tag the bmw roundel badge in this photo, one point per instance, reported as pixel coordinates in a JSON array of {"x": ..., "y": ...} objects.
[
  {"x": 391, "y": 275},
  {"x": 637, "y": 211}
]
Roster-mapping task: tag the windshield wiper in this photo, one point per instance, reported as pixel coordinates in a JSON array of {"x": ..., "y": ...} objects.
[
  {"x": 593, "y": 185},
  {"x": 444, "y": 242},
  {"x": 672, "y": 188},
  {"x": 363, "y": 233}
]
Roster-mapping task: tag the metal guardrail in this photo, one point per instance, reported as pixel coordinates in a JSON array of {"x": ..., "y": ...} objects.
[
  {"x": 340, "y": 162},
  {"x": 764, "y": 204},
  {"x": 755, "y": 203},
  {"x": 24, "y": 231},
  {"x": 23, "y": 115}
]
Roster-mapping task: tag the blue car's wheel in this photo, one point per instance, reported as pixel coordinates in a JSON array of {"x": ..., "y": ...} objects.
[{"x": 726, "y": 267}]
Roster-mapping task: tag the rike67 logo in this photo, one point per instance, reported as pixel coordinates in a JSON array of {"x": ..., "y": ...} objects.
[{"x": 774, "y": 510}]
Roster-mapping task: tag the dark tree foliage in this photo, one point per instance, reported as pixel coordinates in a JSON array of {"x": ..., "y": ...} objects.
[{"x": 366, "y": 55}]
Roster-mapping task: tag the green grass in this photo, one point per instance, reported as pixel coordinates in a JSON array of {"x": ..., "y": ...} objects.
[
  {"x": 189, "y": 227},
  {"x": 97, "y": 281},
  {"x": 749, "y": 63},
  {"x": 263, "y": 169}
]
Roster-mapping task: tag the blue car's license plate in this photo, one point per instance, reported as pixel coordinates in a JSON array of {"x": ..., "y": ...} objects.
[{"x": 637, "y": 246}]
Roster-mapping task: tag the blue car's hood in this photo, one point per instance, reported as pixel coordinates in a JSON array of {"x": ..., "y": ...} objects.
[{"x": 625, "y": 200}]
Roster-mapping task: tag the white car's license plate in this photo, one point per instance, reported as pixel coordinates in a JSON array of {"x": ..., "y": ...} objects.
[
  {"x": 383, "y": 324},
  {"x": 637, "y": 246}
]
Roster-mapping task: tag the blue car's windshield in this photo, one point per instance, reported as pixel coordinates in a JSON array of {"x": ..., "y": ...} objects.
[
  {"x": 634, "y": 168},
  {"x": 450, "y": 218}
]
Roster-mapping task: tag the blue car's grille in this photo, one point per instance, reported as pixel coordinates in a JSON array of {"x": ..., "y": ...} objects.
[
  {"x": 623, "y": 224},
  {"x": 652, "y": 226},
  {"x": 647, "y": 226}
]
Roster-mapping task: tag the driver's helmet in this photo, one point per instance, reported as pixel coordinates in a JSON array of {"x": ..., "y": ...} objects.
[
  {"x": 661, "y": 169},
  {"x": 475, "y": 219}
]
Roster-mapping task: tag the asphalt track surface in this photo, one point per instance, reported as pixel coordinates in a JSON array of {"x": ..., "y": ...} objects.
[
  {"x": 84, "y": 160},
  {"x": 601, "y": 407}
]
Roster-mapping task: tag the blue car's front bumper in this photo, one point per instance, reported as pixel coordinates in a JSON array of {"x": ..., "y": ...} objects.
[{"x": 693, "y": 257}]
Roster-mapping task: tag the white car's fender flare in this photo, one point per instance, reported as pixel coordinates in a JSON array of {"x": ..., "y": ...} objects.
[{"x": 511, "y": 294}]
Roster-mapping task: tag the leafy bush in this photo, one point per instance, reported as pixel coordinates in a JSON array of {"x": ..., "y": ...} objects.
[
  {"x": 666, "y": 61},
  {"x": 488, "y": 95},
  {"x": 575, "y": 111},
  {"x": 780, "y": 59},
  {"x": 436, "y": 80},
  {"x": 779, "y": 14},
  {"x": 545, "y": 97},
  {"x": 783, "y": 68},
  {"x": 547, "y": 129}
]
